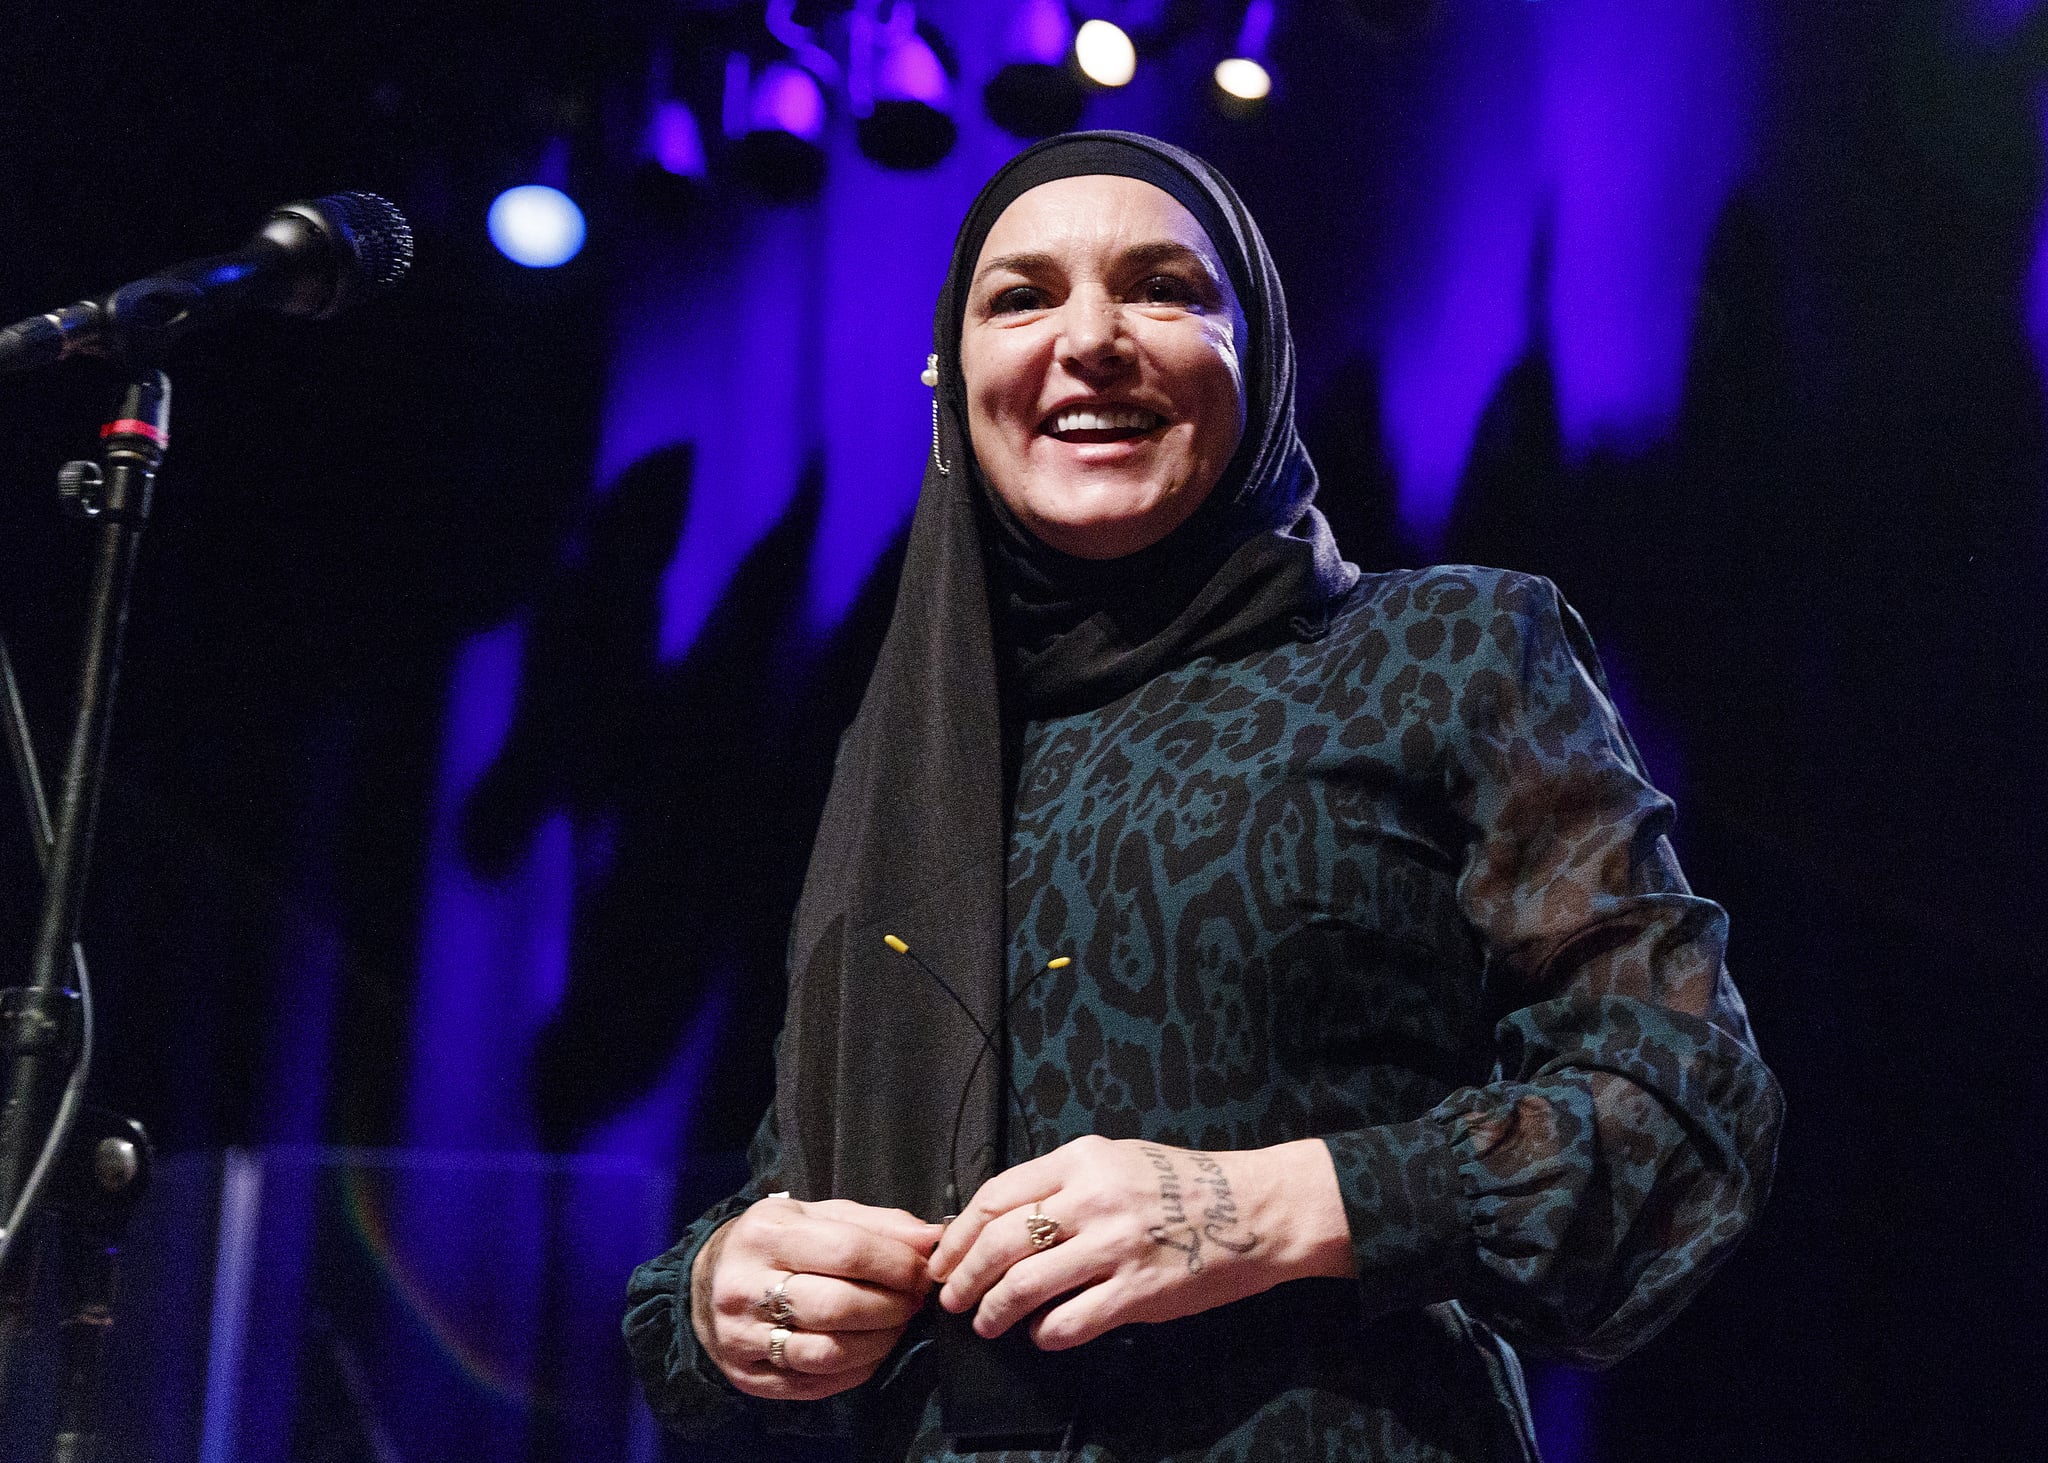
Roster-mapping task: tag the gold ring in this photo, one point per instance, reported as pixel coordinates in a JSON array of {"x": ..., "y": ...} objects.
[
  {"x": 1043, "y": 1229},
  {"x": 774, "y": 1304},
  {"x": 778, "y": 1338}
]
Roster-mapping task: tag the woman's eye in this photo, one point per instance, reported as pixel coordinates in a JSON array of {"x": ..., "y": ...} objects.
[
  {"x": 1016, "y": 298},
  {"x": 1166, "y": 289}
]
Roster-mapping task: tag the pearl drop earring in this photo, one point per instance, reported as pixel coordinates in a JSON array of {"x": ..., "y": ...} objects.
[{"x": 930, "y": 377}]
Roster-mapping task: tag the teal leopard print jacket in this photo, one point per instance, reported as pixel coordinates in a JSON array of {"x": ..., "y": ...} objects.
[{"x": 1403, "y": 886}]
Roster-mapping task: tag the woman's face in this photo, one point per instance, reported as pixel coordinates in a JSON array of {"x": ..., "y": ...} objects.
[{"x": 1100, "y": 348}]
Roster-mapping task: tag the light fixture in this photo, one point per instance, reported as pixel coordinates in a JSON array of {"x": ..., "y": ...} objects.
[
  {"x": 1105, "y": 54},
  {"x": 668, "y": 177},
  {"x": 1242, "y": 80},
  {"x": 673, "y": 142},
  {"x": 898, "y": 88},
  {"x": 537, "y": 226},
  {"x": 776, "y": 121},
  {"x": 1036, "y": 92}
]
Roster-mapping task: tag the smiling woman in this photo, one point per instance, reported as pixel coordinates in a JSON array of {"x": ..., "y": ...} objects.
[
  {"x": 1100, "y": 351},
  {"x": 1315, "y": 1009}
]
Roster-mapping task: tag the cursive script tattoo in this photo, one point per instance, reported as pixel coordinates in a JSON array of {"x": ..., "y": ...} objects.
[{"x": 1216, "y": 1221}]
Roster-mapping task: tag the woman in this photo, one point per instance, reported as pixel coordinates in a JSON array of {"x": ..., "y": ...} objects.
[{"x": 1300, "y": 990}]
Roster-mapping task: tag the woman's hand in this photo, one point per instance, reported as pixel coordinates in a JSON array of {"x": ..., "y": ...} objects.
[
  {"x": 1139, "y": 1232},
  {"x": 843, "y": 1278}
]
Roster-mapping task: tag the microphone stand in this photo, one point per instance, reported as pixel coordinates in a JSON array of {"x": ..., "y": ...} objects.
[{"x": 96, "y": 1173}]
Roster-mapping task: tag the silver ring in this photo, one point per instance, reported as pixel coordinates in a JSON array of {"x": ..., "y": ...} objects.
[
  {"x": 1043, "y": 1229},
  {"x": 778, "y": 1338},
  {"x": 774, "y": 1304}
]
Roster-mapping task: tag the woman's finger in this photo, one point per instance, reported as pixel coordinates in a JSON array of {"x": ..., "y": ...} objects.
[
  {"x": 827, "y": 1303},
  {"x": 1035, "y": 1278},
  {"x": 796, "y": 1242},
  {"x": 897, "y": 1224},
  {"x": 1022, "y": 1185},
  {"x": 1090, "y": 1312},
  {"x": 1002, "y": 1244},
  {"x": 752, "y": 1374},
  {"x": 822, "y": 1354}
]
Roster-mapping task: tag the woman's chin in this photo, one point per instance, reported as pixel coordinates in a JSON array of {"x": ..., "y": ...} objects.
[
  {"x": 1100, "y": 525},
  {"x": 1101, "y": 538}
]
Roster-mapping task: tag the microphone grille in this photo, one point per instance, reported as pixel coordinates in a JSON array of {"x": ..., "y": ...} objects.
[{"x": 376, "y": 233}]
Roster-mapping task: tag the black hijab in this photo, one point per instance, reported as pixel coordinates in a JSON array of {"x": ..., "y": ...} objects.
[{"x": 875, "y": 1056}]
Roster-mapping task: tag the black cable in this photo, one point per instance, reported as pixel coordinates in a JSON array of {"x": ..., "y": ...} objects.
[{"x": 988, "y": 1047}]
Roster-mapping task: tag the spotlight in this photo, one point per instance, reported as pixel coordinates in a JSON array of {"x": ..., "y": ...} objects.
[
  {"x": 1036, "y": 93},
  {"x": 669, "y": 175},
  {"x": 899, "y": 90},
  {"x": 535, "y": 225},
  {"x": 776, "y": 121},
  {"x": 1105, "y": 54},
  {"x": 1242, "y": 80},
  {"x": 673, "y": 140}
]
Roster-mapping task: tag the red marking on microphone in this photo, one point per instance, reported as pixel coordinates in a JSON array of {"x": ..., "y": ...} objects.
[{"x": 135, "y": 427}]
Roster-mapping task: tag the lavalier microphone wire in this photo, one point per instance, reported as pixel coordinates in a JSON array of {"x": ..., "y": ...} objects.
[{"x": 988, "y": 1049}]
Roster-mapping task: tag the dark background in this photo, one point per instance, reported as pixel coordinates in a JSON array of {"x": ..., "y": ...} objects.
[{"x": 1823, "y": 584}]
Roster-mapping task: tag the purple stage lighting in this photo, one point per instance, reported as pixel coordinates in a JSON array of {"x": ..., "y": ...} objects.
[
  {"x": 674, "y": 141},
  {"x": 787, "y": 99},
  {"x": 1036, "y": 93},
  {"x": 1580, "y": 161},
  {"x": 899, "y": 91},
  {"x": 778, "y": 119}
]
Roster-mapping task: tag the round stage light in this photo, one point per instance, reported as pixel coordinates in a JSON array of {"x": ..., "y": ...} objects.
[
  {"x": 673, "y": 140},
  {"x": 1243, "y": 78},
  {"x": 1105, "y": 54},
  {"x": 781, "y": 123},
  {"x": 537, "y": 226},
  {"x": 1036, "y": 92},
  {"x": 787, "y": 99},
  {"x": 901, "y": 109}
]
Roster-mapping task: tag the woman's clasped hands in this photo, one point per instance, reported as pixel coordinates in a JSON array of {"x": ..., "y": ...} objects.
[{"x": 803, "y": 1300}]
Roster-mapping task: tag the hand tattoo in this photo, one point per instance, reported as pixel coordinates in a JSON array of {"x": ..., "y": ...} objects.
[{"x": 1218, "y": 1222}]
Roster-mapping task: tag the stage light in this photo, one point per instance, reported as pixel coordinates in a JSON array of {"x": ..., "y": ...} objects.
[
  {"x": 776, "y": 120},
  {"x": 673, "y": 140},
  {"x": 1105, "y": 54},
  {"x": 787, "y": 99},
  {"x": 1244, "y": 79},
  {"x": 1036, "y": 93},
  {"x": 899, "y": 90},
  {"x": 537, "y": 226}
]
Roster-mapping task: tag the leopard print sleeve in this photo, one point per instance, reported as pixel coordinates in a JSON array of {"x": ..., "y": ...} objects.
[{"x": 1628, "y": 1137}]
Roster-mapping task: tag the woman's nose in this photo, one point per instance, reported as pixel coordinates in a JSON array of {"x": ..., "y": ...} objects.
[{"x": 1092, "y": 334}]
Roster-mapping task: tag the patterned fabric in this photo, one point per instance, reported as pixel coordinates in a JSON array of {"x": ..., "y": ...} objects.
[{"x": 1404, "y": 887}]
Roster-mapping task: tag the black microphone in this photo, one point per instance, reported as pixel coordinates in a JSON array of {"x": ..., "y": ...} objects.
[{"x": 309, "y": 260}]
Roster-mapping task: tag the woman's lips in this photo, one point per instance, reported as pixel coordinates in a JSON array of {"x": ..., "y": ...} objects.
[{"x": 1101, "y": 424}]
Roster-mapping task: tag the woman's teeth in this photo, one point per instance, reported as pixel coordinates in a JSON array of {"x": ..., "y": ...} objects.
[{"x": 1104, "y": 419}]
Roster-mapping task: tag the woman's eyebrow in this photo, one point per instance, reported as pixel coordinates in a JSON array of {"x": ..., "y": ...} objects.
[
  {"x": 1138, "y": 256},
  {"x": 1166, "y": 251},
  {"x": 1025, "y": 264}
]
